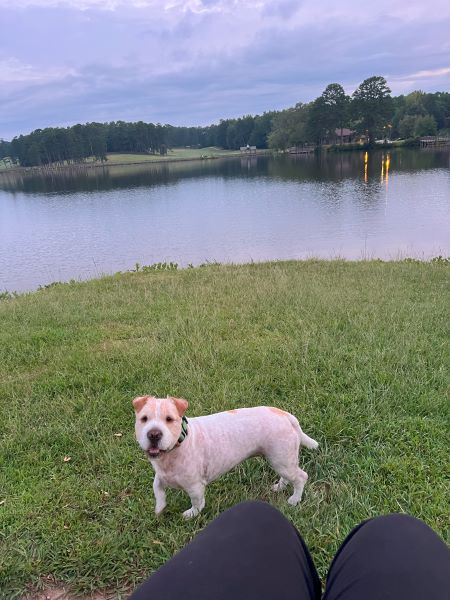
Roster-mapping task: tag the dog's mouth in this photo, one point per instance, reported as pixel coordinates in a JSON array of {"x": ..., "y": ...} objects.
[{"x": 154, "y": 452}]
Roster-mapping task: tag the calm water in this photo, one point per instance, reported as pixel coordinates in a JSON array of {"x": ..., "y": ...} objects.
[{"x": 80, "y": 225}]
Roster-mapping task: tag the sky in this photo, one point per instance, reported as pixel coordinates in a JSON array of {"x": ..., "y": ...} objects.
[{"x": 193, "y": 62}]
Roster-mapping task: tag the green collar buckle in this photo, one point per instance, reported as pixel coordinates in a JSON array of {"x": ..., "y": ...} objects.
[{"x": 184, "y": 429}]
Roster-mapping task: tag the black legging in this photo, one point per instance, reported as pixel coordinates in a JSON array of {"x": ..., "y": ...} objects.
[{"x": 252, "y": 552}]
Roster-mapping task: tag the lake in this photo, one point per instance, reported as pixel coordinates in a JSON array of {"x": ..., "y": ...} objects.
[{"x": 77, "y": 224}]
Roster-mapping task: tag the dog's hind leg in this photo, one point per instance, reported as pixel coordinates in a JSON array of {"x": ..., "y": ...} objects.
[
  {"x": 284, "y": 460},
  {"x": 298, "y": 480},
  {"x": 278, "y": 487},
  {"x": 292, "y": 474}
]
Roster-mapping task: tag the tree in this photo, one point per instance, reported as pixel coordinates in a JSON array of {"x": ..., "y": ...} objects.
[
  {"x": 372, "y": 106},
  {"x": 414, "y": 103},
  {"x": 425, "y": 125},
  {"x": 289, "y": 127},
  {"x": 239, "y": 132},
  {"x": 406, "y": 126},
  {"x": 438, "y": 106},
  {"x": 261, "y": 129},
  {"x": 335, "y": 108},
  {"x": 317, "y": 124},
  {"x": 420, "y": 104},
  {"x": 5, "y": 149},
  {"x": 220, "y": 137},
  {"x": 34, "y": 154}
]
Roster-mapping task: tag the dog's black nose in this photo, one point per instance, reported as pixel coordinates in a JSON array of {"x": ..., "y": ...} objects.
[{"x": 154, "y": 435}]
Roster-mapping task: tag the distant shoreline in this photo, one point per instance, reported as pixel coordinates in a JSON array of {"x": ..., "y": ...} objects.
[
  {"x": 54, "y": 168},
  {"x": 101, "y": 165}
]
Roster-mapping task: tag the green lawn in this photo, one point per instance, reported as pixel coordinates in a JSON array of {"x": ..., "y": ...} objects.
[
  {"x": 116, "y": 158},
  {"x": 176, "y": 153},
  {"x": 358, "y": 351}
]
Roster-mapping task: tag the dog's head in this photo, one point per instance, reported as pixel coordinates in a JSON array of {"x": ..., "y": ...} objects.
[{"x": 158, "y": 423}]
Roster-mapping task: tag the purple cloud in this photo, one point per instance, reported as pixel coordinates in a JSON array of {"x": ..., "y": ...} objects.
[{"x": 195, "y": 61}]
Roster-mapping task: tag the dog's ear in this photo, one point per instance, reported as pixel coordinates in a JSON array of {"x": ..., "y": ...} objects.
[
  {"x": 181, "y": 404},
  {"x": 139, "y": 402}
]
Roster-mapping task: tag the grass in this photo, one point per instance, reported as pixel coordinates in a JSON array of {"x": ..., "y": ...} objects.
[
  {"x": 178, "y": 154},
  {"x": 173, "y": 154},
  {"x": 358, "y": 351}
]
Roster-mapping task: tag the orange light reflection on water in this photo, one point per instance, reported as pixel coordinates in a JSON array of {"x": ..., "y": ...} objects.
[{"x": 387, "y": 165}]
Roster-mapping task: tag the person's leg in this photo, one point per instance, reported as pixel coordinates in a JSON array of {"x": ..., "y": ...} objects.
[
  {"x": 394, "y": 557},
  {"x": 251, "y": 551}
]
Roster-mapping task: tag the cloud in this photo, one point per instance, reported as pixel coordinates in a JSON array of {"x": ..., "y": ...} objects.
[
  {"x": 281, "y": 8},
  {"x": 427, "y": 74},
  {"x": 195, "y": 6},
  {"x": 430, "y": 79},
  {"x": 12, "y": 70},
  {"x": 75, "y": 4},
  {"x": 196, "y": 61}
]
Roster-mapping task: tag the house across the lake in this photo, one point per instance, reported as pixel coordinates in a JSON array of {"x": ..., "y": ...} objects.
[
  {"x": 344, "y": 136},
  {"x": 248, "y": 149}
]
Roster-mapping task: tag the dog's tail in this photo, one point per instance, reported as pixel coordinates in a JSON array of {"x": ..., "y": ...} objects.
[
  {"x": 305, "y": 440},
  {"x": 308, "y": 442}
]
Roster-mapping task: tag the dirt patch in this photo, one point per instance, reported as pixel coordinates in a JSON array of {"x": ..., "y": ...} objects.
[{"x": 62, "y": 593}]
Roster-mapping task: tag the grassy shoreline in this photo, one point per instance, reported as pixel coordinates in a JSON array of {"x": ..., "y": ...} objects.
[
  {"x": 357, "y": 350},
  {"x": 122, "y": 159},
  {"x": 184, "y": 154}
]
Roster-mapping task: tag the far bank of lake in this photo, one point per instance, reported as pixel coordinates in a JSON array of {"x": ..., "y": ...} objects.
[
  {"x": 116, "y": 159},
  {"x": 77, "y": 224}
]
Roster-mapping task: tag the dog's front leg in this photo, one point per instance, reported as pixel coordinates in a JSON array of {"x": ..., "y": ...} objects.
[
  {"x": 160, "y": 495},
  {"x": 197, "y": 496}
]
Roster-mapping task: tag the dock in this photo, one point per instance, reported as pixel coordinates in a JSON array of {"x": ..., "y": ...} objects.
[
  {"x": 434, "y": 141},
  {"x": 301, "y": 149}
]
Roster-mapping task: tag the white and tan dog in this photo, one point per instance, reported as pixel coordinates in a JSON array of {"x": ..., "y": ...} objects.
[{"x": 190, "y": 455}]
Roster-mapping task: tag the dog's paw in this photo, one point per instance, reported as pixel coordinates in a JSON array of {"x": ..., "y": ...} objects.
[
  {"x": 192, "y": 512},
  {"x": 159, "y": 509},
  {"x": 294, "y": 500}
]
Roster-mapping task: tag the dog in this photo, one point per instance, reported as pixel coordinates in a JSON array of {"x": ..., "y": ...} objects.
[{"x": 188, "y": 455}]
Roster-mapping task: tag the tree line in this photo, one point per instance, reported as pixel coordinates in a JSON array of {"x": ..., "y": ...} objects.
[{"x": 370, "y": 111}]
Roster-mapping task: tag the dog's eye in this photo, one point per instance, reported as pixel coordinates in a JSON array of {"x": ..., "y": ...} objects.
[
  {"x": 144, "y": 419},
  {"x": 169, "y": 419}
]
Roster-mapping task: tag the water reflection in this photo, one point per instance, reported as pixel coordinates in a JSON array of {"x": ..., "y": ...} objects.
[
  {"x": 83, "y": 222},
  {"x": 249, "y": 162},
  {"x": 385, "y": 164},
  {"x": 322, "y": 168},
  {"x": 384, "y": 161}
]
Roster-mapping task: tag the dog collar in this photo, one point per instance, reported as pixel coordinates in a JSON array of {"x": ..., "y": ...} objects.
[{"x": 184, "y": 429}]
